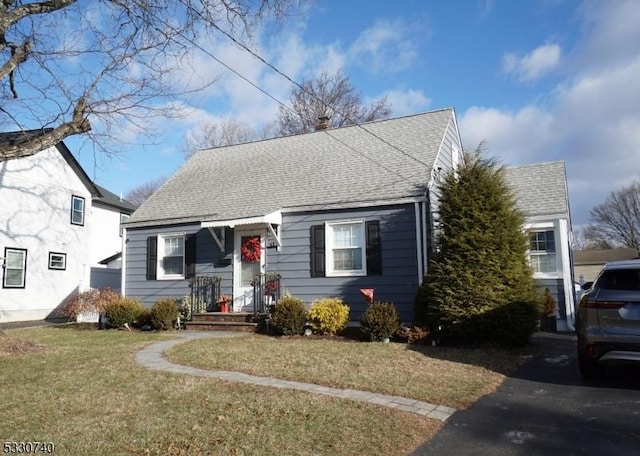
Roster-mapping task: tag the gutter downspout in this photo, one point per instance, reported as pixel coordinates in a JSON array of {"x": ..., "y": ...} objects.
[
  {"x": 425, "y": 244},
  {"x": 123, "y": 268},
  {"x": 416, "y": 206}
]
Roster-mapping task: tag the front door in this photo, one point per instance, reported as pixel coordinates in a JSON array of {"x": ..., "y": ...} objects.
[{"x": 248, "y": 263}]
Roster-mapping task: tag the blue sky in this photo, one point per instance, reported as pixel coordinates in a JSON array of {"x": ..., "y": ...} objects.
[{"x": 537, "y": 80}]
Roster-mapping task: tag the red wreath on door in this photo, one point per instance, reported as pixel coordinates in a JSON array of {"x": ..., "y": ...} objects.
[{"x": 250, "y": 250}]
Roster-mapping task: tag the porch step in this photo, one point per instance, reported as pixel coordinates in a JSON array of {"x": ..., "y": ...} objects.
[
  {"x": 222, "y": 316},
  {"x": 222, "y": 321},
  {"x": 239, "y": 326}
]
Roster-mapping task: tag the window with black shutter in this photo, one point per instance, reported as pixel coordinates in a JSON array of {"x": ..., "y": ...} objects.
[
  {"x": 349, "y": 248},
  {"x": 317, "y": 251},
  {"x": 152, "y": 257}
]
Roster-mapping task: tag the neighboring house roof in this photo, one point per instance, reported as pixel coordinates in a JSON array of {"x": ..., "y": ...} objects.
[
  {"x": 111, "y": 199},
  {"x": 113, "y": 257},
  {"x": 351, "y": 166},
  {"x": 16, "y": 137},
  {"x": 540, "y": 189},
  {"x": 598, "y": 257}
]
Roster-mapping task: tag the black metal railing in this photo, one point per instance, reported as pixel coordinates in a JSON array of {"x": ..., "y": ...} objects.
[
  {"x": 204, "y": 296},
  {"x": 266, "y": 291}
]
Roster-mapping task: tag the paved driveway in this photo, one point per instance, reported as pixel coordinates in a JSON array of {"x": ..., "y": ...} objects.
[{"x": 546, "y": 408}]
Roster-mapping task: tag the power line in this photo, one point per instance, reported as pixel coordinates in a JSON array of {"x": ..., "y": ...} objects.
[
  {"x": 292, "y": 81},
  {"x": 237, "y": 73}
]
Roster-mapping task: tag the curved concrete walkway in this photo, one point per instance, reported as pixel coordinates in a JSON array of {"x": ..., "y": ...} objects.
[{"x": 152, "y": 357}]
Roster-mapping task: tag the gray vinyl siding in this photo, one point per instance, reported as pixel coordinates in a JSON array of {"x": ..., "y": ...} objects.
[
  {"x": 398, "y": 282},
  {"x": 444, "y": 162},
  {"x": 208, "y": 263}
]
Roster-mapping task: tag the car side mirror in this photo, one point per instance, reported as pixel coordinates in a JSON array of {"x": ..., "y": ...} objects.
[{"x": 586, "y": 285}]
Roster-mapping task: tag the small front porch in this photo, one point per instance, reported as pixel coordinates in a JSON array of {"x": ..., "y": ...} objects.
[{"x": 206, "y": 309}]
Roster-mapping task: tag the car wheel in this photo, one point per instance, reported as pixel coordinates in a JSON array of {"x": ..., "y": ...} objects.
[{"x": 589, "y": 368}]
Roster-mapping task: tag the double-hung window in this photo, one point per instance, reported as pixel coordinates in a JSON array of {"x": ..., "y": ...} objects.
[
  {"x": 171, "y": 256},
  {"x": 346, "y": 249},
  {"x": 542, "y": 251},
  {"x": 77, "y": 210},
  {"x": 15, "y": 268}
]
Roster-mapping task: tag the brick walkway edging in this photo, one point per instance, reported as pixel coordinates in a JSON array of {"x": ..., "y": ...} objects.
[{"x": 152, "y": 357}]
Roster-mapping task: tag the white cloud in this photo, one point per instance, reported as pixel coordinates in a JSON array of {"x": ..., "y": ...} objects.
[
  {"x": 534, "y": 65},
  {"x": 388, "y": 46},
  {"x": 407, "y": 102},
  {"x": 592, "y": 126},
  {"x": 611, "y": 33}
]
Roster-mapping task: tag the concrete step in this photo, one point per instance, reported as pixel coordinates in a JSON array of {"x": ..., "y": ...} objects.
[
  {"x": 241, "y": 326},
  {"x": 240, "y": 317}
]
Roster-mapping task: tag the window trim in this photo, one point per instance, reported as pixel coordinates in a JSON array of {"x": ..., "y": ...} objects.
[
  {"x": 24, "y": 267},
  {"x": 73, "y": 211},
  {"x": 63, "y": 257},
  {"x": 160, "y": 274},
  {"x": 329, "y": 248},
  {"x": 544, "y": 228}
]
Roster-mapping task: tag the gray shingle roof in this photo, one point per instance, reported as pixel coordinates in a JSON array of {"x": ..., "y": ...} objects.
[
  {"x": 111, "y": 199},
  {"x": 540, "y": 189},
  {"x": 587, "y": 257},
  {"x": 383, "y": 160}
]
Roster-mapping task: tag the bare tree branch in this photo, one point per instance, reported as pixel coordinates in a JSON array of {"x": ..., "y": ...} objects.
[
  {"x": 617, "y": 220},
  {"x": 99, "y": 67},
  {"x": 328, "y": 95}
]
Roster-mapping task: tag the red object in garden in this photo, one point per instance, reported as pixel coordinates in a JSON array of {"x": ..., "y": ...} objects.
[
  {"x": 368, "y": 294},
  {"x": 224, "y": 307}
]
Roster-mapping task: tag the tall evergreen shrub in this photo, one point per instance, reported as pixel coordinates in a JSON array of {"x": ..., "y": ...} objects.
[{"x": 479, "y": 286}]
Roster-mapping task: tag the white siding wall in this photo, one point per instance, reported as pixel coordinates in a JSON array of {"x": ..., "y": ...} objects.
[
  {"x": 105, "y": 233},
  {"x": 35, "y": 205}
]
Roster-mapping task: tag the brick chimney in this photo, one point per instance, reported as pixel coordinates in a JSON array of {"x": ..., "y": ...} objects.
[{"x": 323, "y": 123}]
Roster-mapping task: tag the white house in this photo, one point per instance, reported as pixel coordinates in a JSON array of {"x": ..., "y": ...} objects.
[{"x": 52, "y": 231}]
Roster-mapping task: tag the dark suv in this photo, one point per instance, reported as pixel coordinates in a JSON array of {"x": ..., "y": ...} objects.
[{"x": 608, "y": 319}]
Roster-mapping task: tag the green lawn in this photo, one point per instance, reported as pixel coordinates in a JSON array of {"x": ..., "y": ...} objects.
[
  {"x": 447, "y": 376},
  {"x": 83, "y": 391}
]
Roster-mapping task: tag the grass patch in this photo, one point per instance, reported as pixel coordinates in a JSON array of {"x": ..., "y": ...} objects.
[
  {"x": 448, "y": 376},
  {"x": 84, "y": 392}
]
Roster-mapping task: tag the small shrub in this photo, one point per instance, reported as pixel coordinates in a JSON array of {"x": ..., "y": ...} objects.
[
  {"x": 164, "y": 313},
  {"x": 413, "y": 334},
  {"x": 289, "y": 316},
  {"x": 93, "y": 300},
  {"x": 548, "y": 304},
  {"x": 124, "y": 311},
  {"x": 144, "y": 319},
  {"x": 328, "y": 315},
  {"x": 380, "y": 321}
]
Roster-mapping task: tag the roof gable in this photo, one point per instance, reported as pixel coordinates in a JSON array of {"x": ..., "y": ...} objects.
[
  {"x": 15, "y": 137},
  {"x": 361, "y": 164},
  {"x": 540, "y": 189}
]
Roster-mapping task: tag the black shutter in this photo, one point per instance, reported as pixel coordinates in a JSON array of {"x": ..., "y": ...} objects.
[
  {"x": 374, "y": 251},
  {"x": 190, "y": 256},
  {"x": 317, "y": 251},
  {"x": 152, "y": 257}
]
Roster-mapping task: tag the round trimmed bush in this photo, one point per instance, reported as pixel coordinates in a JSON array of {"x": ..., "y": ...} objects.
[
  {"x": 164, "y": 313},
  {"x": 289, "y": 316},
  {"x": 328, "y": 315},
  {"x": 123, "y": 311},
  {"x": 380, "y": 321}
]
